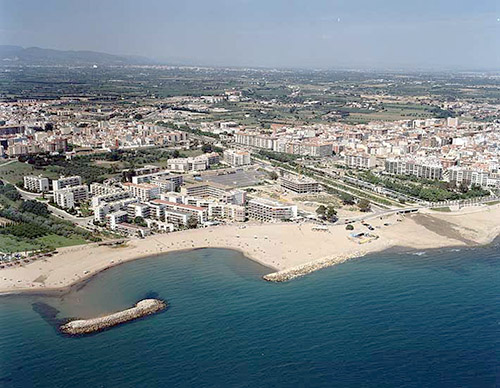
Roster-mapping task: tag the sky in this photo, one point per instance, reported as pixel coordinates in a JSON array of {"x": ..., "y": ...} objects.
[{"x": 357, "y": 34}]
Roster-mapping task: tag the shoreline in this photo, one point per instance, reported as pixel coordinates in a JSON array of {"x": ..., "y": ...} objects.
[{"x": 287, "y": 250}]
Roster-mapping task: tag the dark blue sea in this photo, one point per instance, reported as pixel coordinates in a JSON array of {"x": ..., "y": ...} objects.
[{"x": 394, "y": 319}]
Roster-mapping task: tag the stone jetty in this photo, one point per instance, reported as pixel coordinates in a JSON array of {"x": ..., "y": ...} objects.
[
  {"x": 87, "y": 326},
  {"x": 304, "y": 269}
]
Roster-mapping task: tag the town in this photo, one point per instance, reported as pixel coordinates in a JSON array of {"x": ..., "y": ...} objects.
[{"x": 160, "y": 165}]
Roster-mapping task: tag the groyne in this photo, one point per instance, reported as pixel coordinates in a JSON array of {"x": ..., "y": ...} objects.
[
  {"x": 87, "y": 326},
  {"x": 304, "y": 269}
]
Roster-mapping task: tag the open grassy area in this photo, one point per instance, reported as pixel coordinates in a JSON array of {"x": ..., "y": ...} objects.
[
  {"x": 56, "y": 241},
  {"x": 442, "y": 209},
  {"x": 14, "y": 172},
  {"x": 9, "y": 244}
]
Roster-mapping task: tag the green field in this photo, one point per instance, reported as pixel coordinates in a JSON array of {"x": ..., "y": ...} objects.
[
  {"x": 10, "y": 244},
  {"x": 14, "y": 172}
]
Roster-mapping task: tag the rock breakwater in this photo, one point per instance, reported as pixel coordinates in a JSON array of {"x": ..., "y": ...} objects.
[
  {"x": 304, "y": 269},
  {"x": 87, "y": 326}
]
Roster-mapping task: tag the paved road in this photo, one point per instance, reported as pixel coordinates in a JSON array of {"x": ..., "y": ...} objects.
[{"x": 80, "y": 221}]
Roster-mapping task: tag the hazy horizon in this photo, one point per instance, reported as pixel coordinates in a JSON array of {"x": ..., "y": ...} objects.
[{"x": 362, "y": 34}]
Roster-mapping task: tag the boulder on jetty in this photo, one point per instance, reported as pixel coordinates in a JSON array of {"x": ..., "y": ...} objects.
[
  {"x": 87, "y": 326},
  {"x": 304, "y": 269}
]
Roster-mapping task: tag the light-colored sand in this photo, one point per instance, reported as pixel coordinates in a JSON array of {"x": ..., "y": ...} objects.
[{"x": 278, "y": 246}]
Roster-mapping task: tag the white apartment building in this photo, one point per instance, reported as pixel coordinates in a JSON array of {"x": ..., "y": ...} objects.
[
  {"x": 68, "y": 197},
  {"x": 360, "y": 161},
  {"x": 101, "y": 189},
  {"x": 145, "y": 191},
  {"x": 236, "y": 157},
  {"x": 110, "y": 197},
  {"x": 270, "y": 211},
  {"x": 105, "y": 208},
  {"x": 298, "y": 184},
  {"x": 36, "y": 184},
  {"x": 426, "y": 168},
  {"x": 470, "y": 177},
  {"x": 198, "y": 163},
  {"x": 63, "y": 182},
  {"x": 257, "y": 140},
  {"x": 211, "y": 189}
]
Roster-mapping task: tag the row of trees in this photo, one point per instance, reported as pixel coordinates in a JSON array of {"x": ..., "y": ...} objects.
[{"x": 432, "y": 191}]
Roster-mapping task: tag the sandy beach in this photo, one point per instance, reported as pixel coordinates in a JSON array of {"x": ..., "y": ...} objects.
[{"x": 281, "y": 247}]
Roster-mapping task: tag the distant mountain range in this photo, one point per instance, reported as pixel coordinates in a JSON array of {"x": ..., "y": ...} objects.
[{"x": 41, "y": 56}]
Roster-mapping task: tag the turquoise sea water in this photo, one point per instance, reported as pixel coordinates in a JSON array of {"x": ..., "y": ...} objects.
[{"x": 394, "y": 319}]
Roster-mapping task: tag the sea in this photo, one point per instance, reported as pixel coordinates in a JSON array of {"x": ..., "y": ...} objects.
[{"x": 398, "y": 318}]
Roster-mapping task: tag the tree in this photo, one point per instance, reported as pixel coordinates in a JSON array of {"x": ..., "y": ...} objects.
[
  {"x": 364, "y": 205},
  {"x": 347, "y": 199},
  {"x": 273, "y": 175},
  {"x": 137, "y": 116},
  {"x": 331, "y": 213},
  {"x": 321, "y": 211},
  {"x": 192, "y": 223},
  {"x": 349, "y": 227},
  {"x": 139, "y": 221},
  {"x": 206, "y": 148}
]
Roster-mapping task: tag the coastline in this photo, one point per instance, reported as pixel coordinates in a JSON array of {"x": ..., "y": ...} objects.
[{"x": 287, "y": 249}]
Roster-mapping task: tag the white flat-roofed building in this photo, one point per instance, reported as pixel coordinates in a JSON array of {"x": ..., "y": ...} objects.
[
  {"x": 197, "y": 163},
  {"x": 68, "y": 197},
  {"x": 145, "y": 191},
  {"x": 115, "y": 218},
  {"x": 138, "y": 210},
  {"x": 36, "y": 184},
  {"x": 131, "y": 230},
  {"x": 237, "y": 158},
  {"x": 214, "y": 190},
  {"x": 199, "y": 212},
  {"x": 427, "y": 168},
  {"x": 110, "y": 197},
  {"x": 105, "y": 208},
  {"x": 270, "y": 211},
  {"x": 298, "y": 184},
  {"x": 102, "y": 189},
  {"x": 360, "y": 161},
  {"x": 470, "y": 177},
  {"x": 257, "y": 140},
  {"x": 63, "y": 182}
]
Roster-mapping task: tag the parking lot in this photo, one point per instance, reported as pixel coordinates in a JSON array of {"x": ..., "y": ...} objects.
[{"x": 238, "y": 178}]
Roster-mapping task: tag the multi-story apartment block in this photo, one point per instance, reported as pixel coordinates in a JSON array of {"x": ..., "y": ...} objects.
[
  {"x": 266, "y": 210},
  {"x": 236, "y": 157},
  {"x": 211, "y": 189},
  {"x": 110, "y": 197},
  {"x": 105, "y": 208},
  {"x": 360, "y": 161},
  {"x": 425, "y": 168},
  {"x": 257, "y": 140},
  {"x": 37, "y": 184},
  {"x": 138, "y": 210},
  {"x": 63, "y": 182},
  {"x": 198, "y": 163},
  {"x": 470, "y": 177},
  {"x": 145, "y": 191},
  {"x": 68, "y": 197},
  {"x": 298, "y": 184}
]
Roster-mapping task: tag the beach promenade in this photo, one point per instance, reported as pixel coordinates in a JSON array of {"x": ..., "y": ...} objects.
[{"x": 289, "y": 248}]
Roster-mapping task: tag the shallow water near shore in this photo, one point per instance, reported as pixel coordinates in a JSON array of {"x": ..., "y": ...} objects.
[{"x": 389, "y": 319}]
